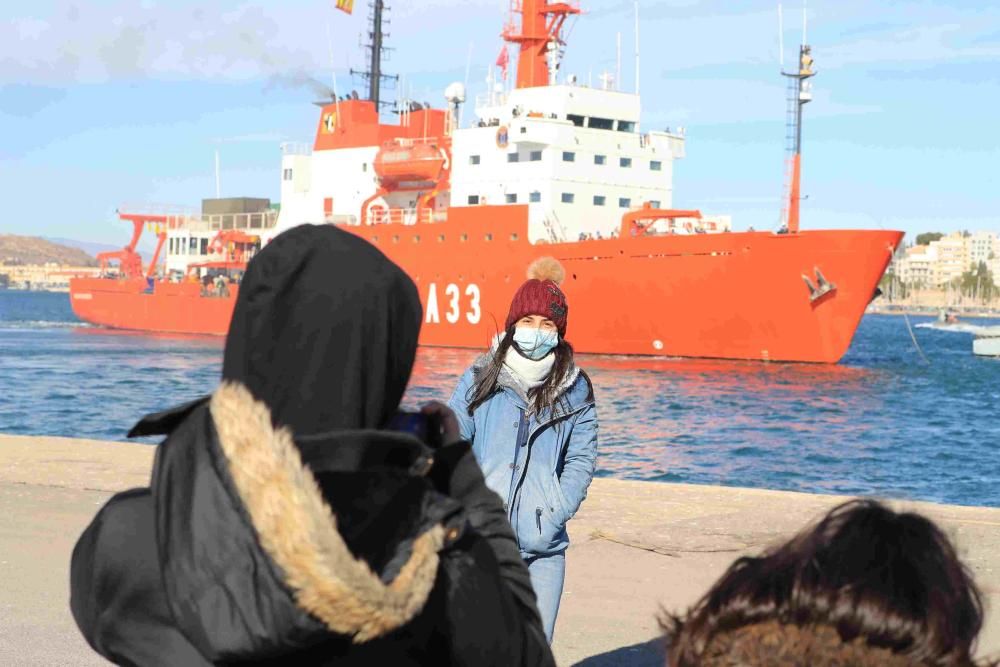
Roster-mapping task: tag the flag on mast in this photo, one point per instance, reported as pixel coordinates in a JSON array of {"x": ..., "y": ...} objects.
[
  {"x": 502, "y": 61},
  {"x": 345, "y": 5}
]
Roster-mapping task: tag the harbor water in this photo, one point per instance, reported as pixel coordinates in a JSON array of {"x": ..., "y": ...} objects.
[{"x": 883, "y": 422}]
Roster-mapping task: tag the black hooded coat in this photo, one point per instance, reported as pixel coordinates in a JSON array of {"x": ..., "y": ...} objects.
[{"x": 280, "y": 525}]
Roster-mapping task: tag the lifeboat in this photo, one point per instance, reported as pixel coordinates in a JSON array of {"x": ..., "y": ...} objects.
[{"x": 399, "y": 164}]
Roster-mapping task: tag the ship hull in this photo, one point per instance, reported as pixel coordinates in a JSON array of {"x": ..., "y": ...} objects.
[
  {"x": 169, "y": 308},
  {"x": 737, "y": 295}
]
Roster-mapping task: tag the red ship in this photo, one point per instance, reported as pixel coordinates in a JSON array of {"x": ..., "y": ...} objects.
[{"x": 549, "y": 168}]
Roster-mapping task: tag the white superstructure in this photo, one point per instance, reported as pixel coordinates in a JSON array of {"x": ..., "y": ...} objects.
[{"x": 575, "y": 155}]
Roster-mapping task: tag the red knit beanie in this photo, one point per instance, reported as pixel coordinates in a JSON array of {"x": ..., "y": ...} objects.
[{"x": 541, "y": 295}]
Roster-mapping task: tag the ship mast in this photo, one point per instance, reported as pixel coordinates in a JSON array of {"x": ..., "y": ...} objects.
[
  {"x": 799, "y": 94},
  {"x": 374, "y": 75},
  {"x": 538, "y": 39}
]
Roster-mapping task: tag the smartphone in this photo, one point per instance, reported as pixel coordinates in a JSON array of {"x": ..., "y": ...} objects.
[{"x": 426, "y": 428}]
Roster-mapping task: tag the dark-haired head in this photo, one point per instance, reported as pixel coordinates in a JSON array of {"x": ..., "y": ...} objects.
[
  {"x": 864, "y": 581},
  {"x": 543, "y": 396}
]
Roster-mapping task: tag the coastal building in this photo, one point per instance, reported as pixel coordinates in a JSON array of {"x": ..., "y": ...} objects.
[
  {"x": 952, "y": 257},
  {"x": 983, "y": 247},
  {"x": 946, "y": 259},
  {"x": 918, "y": 266},
  {"x": 51, "y": 277}
]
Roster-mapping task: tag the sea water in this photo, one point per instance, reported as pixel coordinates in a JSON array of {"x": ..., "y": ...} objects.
[{"x": 883, "y": 422}]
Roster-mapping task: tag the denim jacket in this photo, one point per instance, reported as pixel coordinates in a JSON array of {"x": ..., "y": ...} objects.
[{"x": 540, "y": 463}]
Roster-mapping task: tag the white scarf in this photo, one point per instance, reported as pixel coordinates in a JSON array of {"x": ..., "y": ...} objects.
[
  {"x": 531, "y": 373},
  {"x": 522, "y": 374}
]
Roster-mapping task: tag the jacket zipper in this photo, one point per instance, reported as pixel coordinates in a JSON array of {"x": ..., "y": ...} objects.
[
  {"x": 538, "y": 519},
  {"x": 524, "y": 468}
]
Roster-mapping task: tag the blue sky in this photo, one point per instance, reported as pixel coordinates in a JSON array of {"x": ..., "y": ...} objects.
[{"x": 105, "y": 103}]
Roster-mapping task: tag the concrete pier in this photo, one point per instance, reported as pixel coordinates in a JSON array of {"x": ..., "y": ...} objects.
[{"x": 637, "y": 547}]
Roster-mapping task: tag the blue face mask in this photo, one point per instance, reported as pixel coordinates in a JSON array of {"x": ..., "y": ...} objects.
[{"x": 535, "y": 343}]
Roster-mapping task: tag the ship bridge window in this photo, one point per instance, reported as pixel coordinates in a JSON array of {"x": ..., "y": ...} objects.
[
  {"x": 286, "y": 175},
  {"x": 600, "y": 123},
  {"x": 626, "y": 126},
  {"x": 625, "y": 162},
  {"x": 204, "y": 247},
  {"x": 655, "y": 165},
  {"x": 600, "y": 159},
  {"x": 569, "y": 156},
  {"x": 567, "y": 198},
  {"x": 473, "y": 159},
  {"x": 576, "y": 120},
  {"x": 536, "y": 156},
  {"x": 655, "y": 203},
  {"x": 599, "y": 200},
  {"x": 510, "y": 197},
  {"x": 535, "y": 197},
  {"x": 513, "y": 157},
  {"x": 473, "y": 199},
  {"x": 624, "y": 202}
]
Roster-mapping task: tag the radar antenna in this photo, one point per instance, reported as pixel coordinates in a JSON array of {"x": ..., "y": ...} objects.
[{"x": 376, "y": 50}]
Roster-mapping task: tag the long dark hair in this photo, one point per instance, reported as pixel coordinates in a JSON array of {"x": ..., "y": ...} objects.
[
  {"x": 891, "y": 581},
  {"x": 545, "y": 395}
]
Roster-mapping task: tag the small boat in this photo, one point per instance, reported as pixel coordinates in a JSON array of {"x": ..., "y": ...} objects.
[{"x": 987, "y": 342}]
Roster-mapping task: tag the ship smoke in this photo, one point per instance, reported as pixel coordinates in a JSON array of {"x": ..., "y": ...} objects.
[{"x": 302, "y": 80}]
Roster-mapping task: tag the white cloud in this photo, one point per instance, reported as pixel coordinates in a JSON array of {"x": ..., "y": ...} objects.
[{"x": 122, "y": 41}]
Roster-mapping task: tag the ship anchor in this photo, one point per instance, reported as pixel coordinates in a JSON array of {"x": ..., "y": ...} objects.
[{"x": 821, "y": 288}]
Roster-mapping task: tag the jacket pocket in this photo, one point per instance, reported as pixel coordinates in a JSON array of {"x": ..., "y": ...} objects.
[{"x": 557, "y": 501}]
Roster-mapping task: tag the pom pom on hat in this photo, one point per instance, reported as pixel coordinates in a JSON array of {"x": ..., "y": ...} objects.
[
  {"x": 541, "y": 295},
  {"x": 547, "y": 268}
]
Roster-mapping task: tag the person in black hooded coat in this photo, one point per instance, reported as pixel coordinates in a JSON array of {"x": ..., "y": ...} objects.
[{"x": 281, "y": 526}]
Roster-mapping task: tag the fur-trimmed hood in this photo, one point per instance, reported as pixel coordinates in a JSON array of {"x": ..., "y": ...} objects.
[{"x": 261, "y": 545}]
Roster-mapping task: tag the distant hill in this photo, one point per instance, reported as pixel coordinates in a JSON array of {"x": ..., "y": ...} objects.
[
  {"x": 89, "y": 247},
  {"x": 34, "y": 250},
  {"x": 146, "y": 246}
]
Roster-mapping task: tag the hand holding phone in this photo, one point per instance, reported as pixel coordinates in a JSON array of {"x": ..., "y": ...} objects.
[{"x": 446, "y": 420}]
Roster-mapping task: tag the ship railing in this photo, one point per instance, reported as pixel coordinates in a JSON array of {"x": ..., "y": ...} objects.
[
  {"x": 409, "y": 142},
  {"x": 295, "y": 148},
  {"x": 223, "y": 221},
  {"x": 404, "y": 216},
  {"x": 683, "y": 226},
  {"x": 490, "y": 100}
]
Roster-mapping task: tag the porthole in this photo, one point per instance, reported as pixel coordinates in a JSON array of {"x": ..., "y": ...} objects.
[
  {"x": 416, "y": 238},
  {"x": 489, "y": 237},
  {"x": 464, "y": 237},
  {"x": 395, "y": 238},
  {"x": 440, "y": 238},
  {"x": 513, "y": 237}
]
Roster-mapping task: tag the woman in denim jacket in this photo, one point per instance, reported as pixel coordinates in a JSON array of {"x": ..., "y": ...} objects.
[{"x": 529, "y": 413}]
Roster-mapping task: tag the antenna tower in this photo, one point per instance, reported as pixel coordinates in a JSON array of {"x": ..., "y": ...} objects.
[
  {"x": 799, "y": 94},
  {"x": 377, "y": 51}
]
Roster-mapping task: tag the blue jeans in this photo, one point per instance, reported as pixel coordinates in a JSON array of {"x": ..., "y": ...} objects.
[{"x": 547, "y": 575}]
